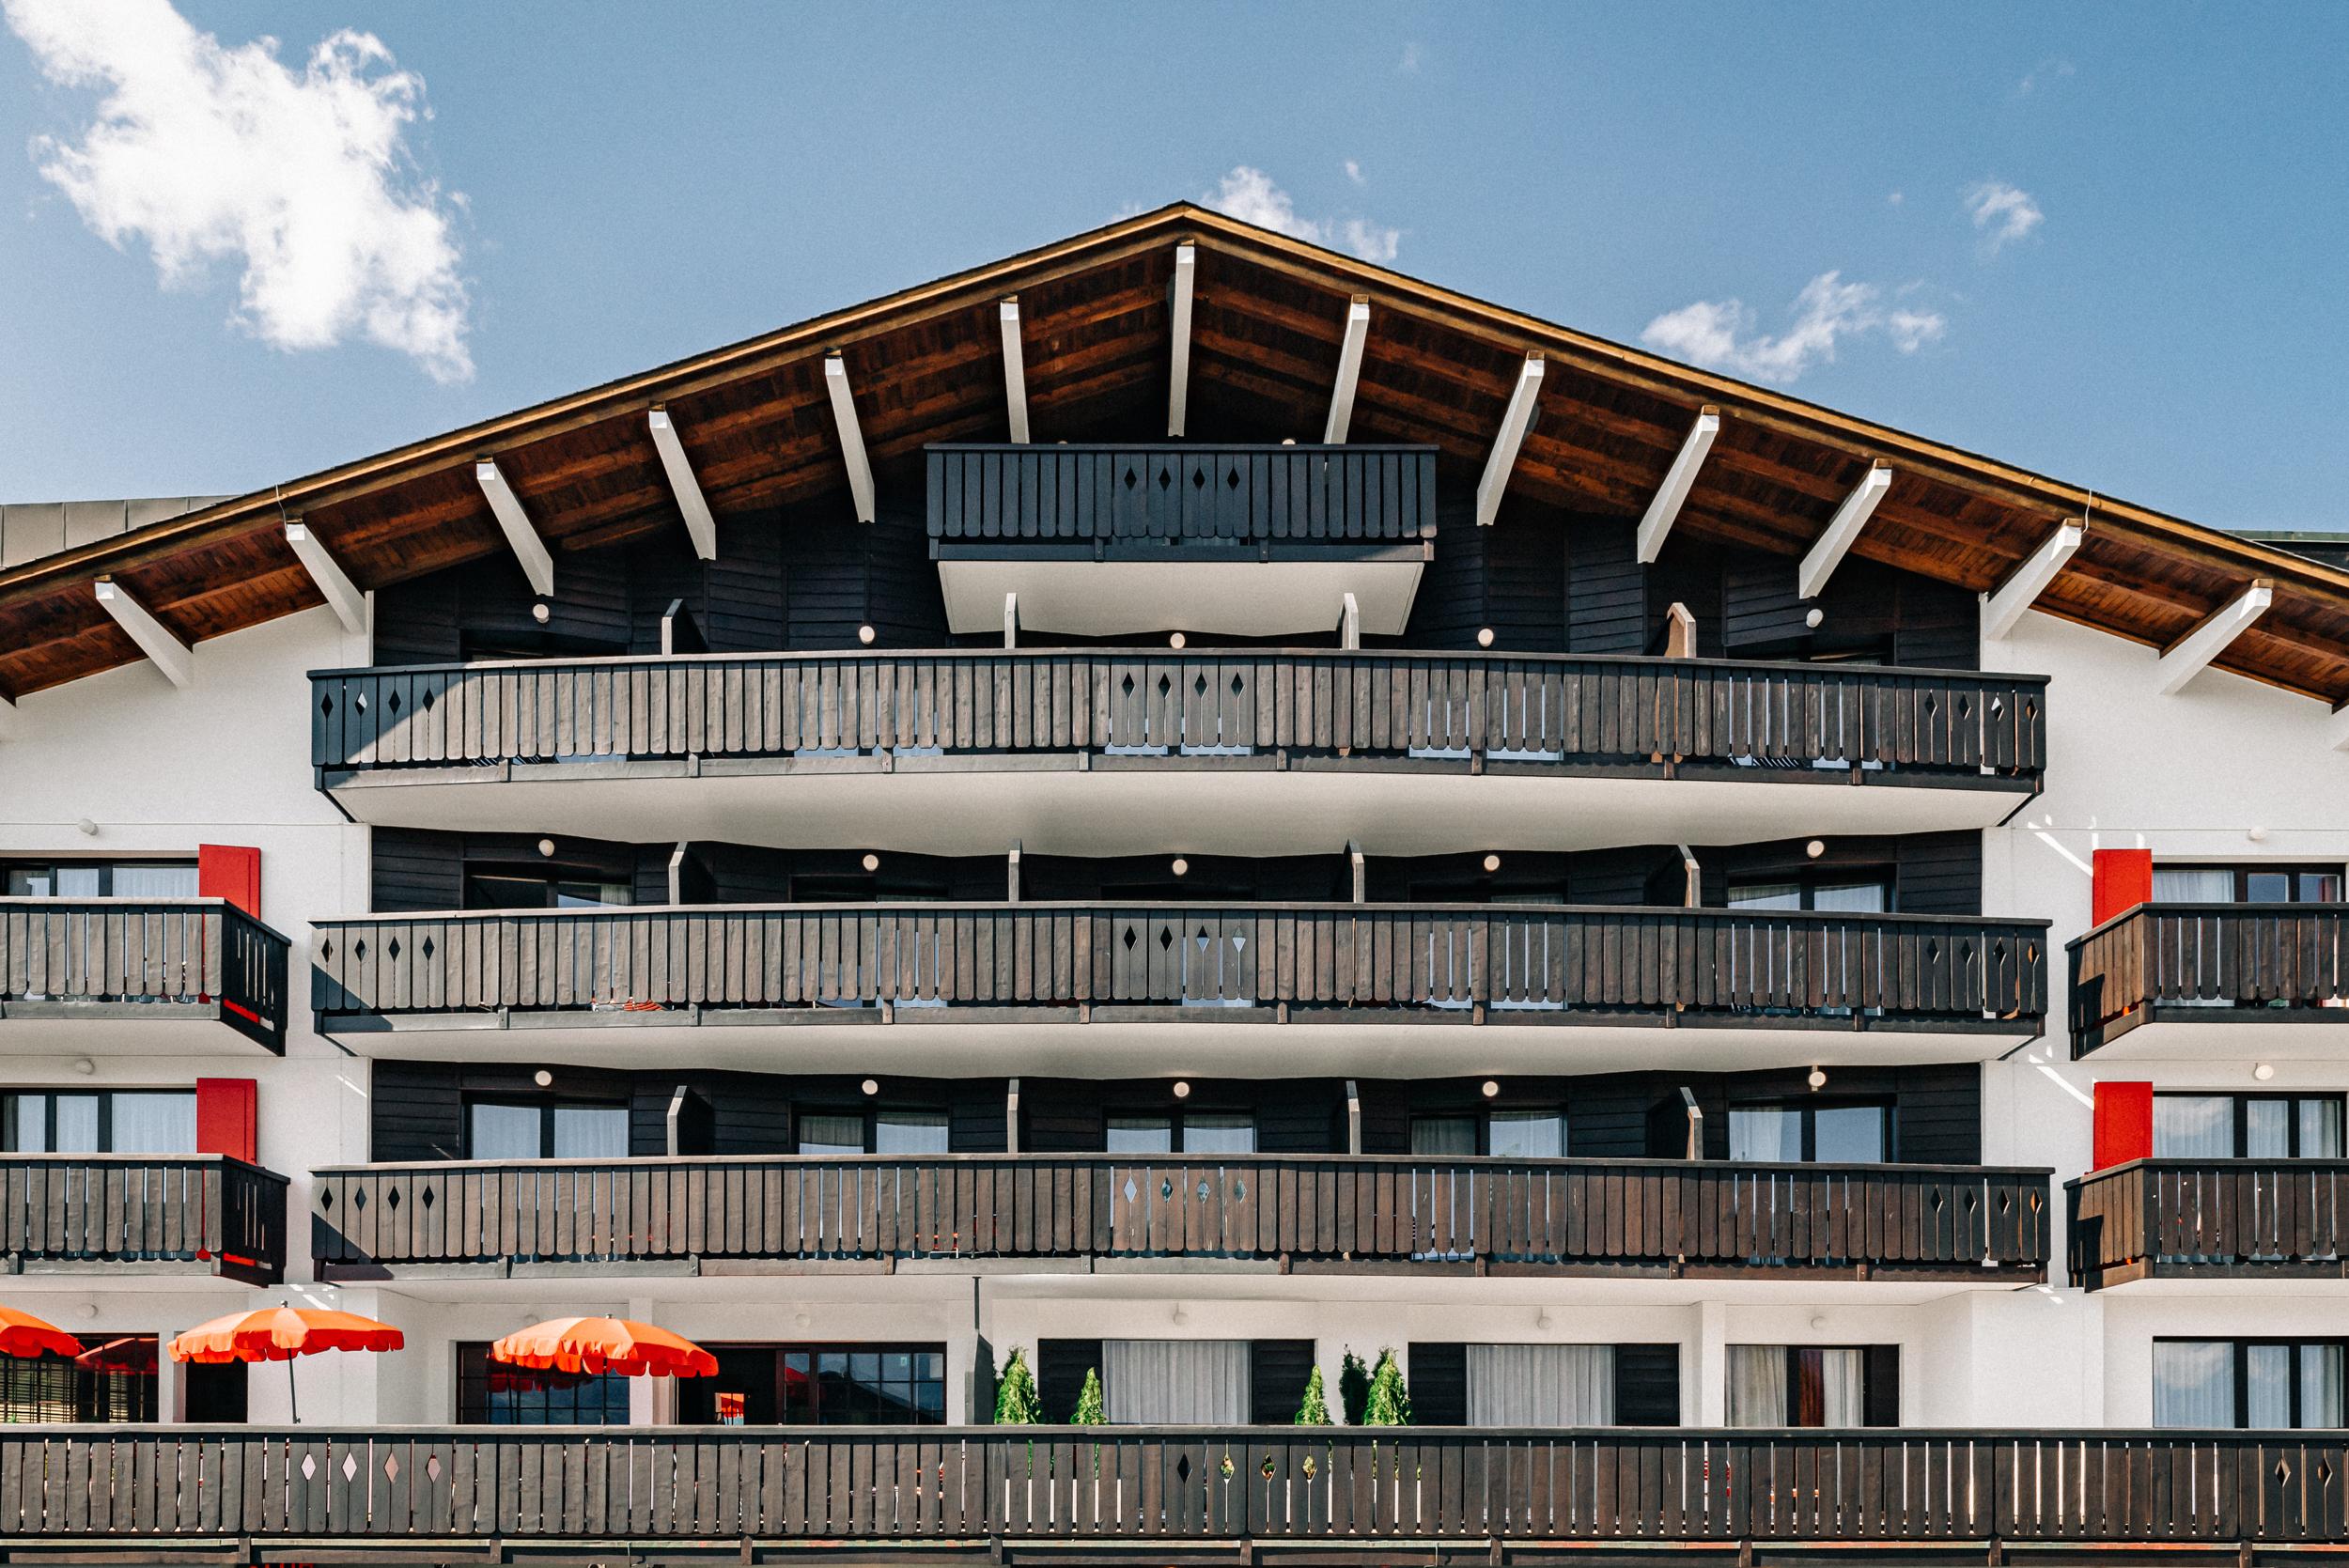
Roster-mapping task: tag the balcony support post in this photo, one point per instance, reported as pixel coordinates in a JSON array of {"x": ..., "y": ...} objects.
[
  {"x": 1354, "y": 860},
  {"x": 2195, "y": 652},
  {"x": 1353, "y": 1118},
  {"x": 1015, "y": 371},
  {"x": 1824, "y": 556},
  {"x": 851, "y": 435},
  {"x": 1350, "y": 371},
  {"x": 1679, "y": 480},
  {"x": 1515, "y": 422},
  {"x": 2003, "y": 606},
  {"x": 690, "y": 503},
  {"x": 520, "y": 537},
  {"x": 1011, "y": 1118},
  {"x": 1011, "y": 874},
  {"x": 1011, "y": 620},
  {"x": 175, "y": 658},
  {"x": 1178, "y": 372}
]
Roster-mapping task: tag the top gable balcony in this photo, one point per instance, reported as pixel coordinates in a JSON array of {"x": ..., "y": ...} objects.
[{"x": 1229, "y": 541}]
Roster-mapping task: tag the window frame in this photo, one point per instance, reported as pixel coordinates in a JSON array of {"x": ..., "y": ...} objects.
[
  {"x": 2242, "y": 871},
  {"x": 1809, "y": 1106},
  {"x": 2239, "y": 1365},
  {"x": 870, "y": 1114},
  {"x": 546, "y": 1104},
  {"x": 1810, "y": 879},
  {"x": 463, "y": 1350},
  {"x": 1483, "y": 1116},
  {"x": 1177, "y": 1120},
  {"x": 2242, "y": 1118},
  {"x": 105, "y": 867},
  {"x": 781, "y": 1350},
  {"x": 1872, "y": 1398},
  {"x": 105, "y": 1098}
]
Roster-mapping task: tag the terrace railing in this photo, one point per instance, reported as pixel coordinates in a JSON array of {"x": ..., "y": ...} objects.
[
  {"x": 124, "y": 1211},
  {"x": 2206, "y": 963},
  {"x": 135, "y": 960},
  {"x": 2210, "y": 1219}
]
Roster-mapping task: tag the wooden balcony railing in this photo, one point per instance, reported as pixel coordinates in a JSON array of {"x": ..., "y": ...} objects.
[
  {"x": 1370, "y": 963},
  {"x": 1292, "y": 499},
  {"x": 2210, "y": 1219},
  {"x": 2210, "y": 963},
  {"x": 1662, "y": 717},
  {"x": 1184, "y": 1494},
  {"x": 142, "y": 959},
  {"x": 1305, "y": 1211},
  {"x": 129, "y": 1211}
]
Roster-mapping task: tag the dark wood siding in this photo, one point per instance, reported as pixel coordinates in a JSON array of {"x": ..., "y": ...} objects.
[
  {"x": 1439, "y": 1383},
  {"x": 1647, "y": 1385},
  {"x": 1277, "y": 1370},
  {"x": 1060, "y": 1372},
  {"x": 1884, "y": 1385},
  {"x": 1607, "y": 589}
]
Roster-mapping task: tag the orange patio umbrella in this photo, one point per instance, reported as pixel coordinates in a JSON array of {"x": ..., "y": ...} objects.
[
  {"x": 22, "y": 1334},
  {"x": 280, "y": 1334},
  {"x": 598, "y": 1344}
]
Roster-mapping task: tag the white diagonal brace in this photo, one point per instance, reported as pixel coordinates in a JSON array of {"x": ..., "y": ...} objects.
[
  {"x": 175, "y": 658},
  {"x": 529, "y": 548},
  {"x": 1678, "y": 480},
  {"x": 1015, "y": 371},
  {"x": 342, "y": 595},
  {"x": 851, "y": 435},
  {"x": 2004, "y": 607},
  {"x": 1350, "y": 371},
  {"x": 1820, "y": 562},
  {"x": 692, "y": 504},
  {"x": 1514, "y": 424},
  {"x": 2340, "y": 729},
  {"x": 2191, "y": 654},
  {"x": 1178, "y": 376}
]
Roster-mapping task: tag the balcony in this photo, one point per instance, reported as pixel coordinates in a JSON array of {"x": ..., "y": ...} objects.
[
  {"x": 1229, "y": 541},
  {"x": 2210, "y": 1220},
  {"x": 1298, "y": 1214},
  {"x": 160, "y": 975},
  {"x": 1183, "y": 1494},
  {"x": 2185, "y": 980},
  {"x": 143, "y": 1214},
  {"x": 1243, "y": 752},
  {"x": 1393, "y": 990}
]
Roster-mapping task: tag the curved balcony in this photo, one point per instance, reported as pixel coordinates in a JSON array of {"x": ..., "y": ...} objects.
[
  {"x": 1632, "y": 1218},
  {"x": 162, "y": 975},
  {"x": 2185, "y": 980},
  {"x": 1244, "y": 752},
  {"x": 1400, "y": 990}
]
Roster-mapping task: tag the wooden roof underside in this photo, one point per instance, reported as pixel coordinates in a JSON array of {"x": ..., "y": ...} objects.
[{"x": 925, "y": 366}]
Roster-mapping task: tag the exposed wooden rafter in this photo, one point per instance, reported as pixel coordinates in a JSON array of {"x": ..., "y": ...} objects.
[
  {"x": 851, "y": 435},
  {"x": 2003, "y": 606},
  {"x": 342, "y": 595},
  {"x": 164, "y": 649},
  {"x": 1673, "y": 493},
  {"x": 1820, "y": 561},
  {"x": 690, "y": 503},
  {"x": 1015, "y": 370},
  {"x": 2193, "y": 653},
  {"x": 1179, "y": 306},
  {"x": 1509, "y": 439},
  {"x": 1350, "y": 371},
  {"x": 538, "y": 563}
]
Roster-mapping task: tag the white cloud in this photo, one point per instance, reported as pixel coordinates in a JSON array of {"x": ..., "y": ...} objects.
[
  {"x": 1354, "y": 172},
  {"x": 1827, "y": 312},
  {"x": 1250, "y": 195},
  {"x": 2003, "y": 213},
  {"x": 300, "y": 178},
  {"x": 1408, "y": 65},
  {"x": 1894, "y": 199},
  {"x": 2044, "y": 75}
]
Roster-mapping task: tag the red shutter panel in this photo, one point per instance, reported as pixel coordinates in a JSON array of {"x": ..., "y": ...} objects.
[
  {"x": 2123, "y": 879},
  {"x": 2124, "y": 1125},
  {"x": 226, "y": 871},
  {"x": 224, "y": 1118}
]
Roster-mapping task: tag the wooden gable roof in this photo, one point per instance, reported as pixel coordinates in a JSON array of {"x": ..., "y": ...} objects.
[{"x": 925, "y": 366}]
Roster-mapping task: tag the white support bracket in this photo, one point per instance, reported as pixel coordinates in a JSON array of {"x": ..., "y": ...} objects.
[
  {"x": 2003, "y": 606},
  {"x": 1349, "y": 623},
  {"x": 690, "y": 503},
  {"x": 1515, "y": 422},
  {"x": 175, "y": 658},
  {"x": 2340, "y": 729},
  {"x": 529, "y": 548},
  {"x": 1679, "y": 480},
  {"x": 1360, "y": 870},
  {"x": 1350, "y": 371},
  {"x": 1011, "y": 874},
  {"x": 1015, "y": 371},
  {"x": 1819, "y": 564},
  {"x": 1011, "y": 620},
  {"x": 2193, "y": 653},
  {"x": 851, "y": 435},
  {"x": 1178, "y": 374},
  {"x": 342, "y": 595}
]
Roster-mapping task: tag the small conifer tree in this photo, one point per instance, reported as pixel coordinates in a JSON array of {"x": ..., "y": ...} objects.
[
  {"x": 1388, "y": 1403},
  {"x": 1090, "y": 1409},
  {"x": 1315, "y": 1410},
  {"x": 1353, "y": 1388},
  {"x": 1015, "y": 1400}
]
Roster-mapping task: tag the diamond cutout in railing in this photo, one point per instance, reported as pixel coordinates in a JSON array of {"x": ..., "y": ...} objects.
[
  {"x": 326, "y": 704},
  {"x": 1129, "y": 938},
  {"x": 2283, "y": 1472},
  {"x": 351, "y": 1467},
  {"x": 1132, "y": 478},
  {"x": 1933, "y": 951},
  {"x": 426, "y": 1198},
  {"x": 1199, "y": 685},
  {"x": 1166, "y": 684},
  {"x": 360, "y": 702},
  {"x": 428, "y": 699},
  {"x": 1200, "y": 938},
  {"x": 1237, "y": 685},
  {"x": 1997, "y": 949},
  {"x": 359, "y": 949},
  {"x": 1231, "y": 478},
  {"x": 309, "y": 1466},
  {"x": 392, "y": 703},
  {"x": 1182, "y": 1468},
  {"x": 2006, "y": 1201},
  {"x": 1131, "y": 1191},
  {"x": 1203, "y": 1190},
  {"x": 391, "y": 1467},
  {"x": 1166, "y": 938},
  {"x": 426, "y": 949},
  {"x": 359, "y": 1199},
  {"x": 391, "y": 949},
  {"x": 1239, "y": 1190},
  {"x": 432, "y": 1466},
  {"x": 326, "y": 947},
  {"x": 1965, "y": 707},
  {"x": 326, "y": 1197},
  {"x": 392, "y": 1197},
  {"x": 1165, "y": 478},
  {"x": 1936, "y": 1198},
  {"x": 1239, "y": 943},
  {"x": 1198, "y": 480},
  {"x": 1127, "y": 686}
]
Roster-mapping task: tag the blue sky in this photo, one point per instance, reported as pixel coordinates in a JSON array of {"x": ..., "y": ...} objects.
[{"x": 2110, "y": 243}]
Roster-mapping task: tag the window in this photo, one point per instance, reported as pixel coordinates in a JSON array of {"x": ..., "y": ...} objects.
[
  {"x": 103, "y": 879},
  {"x": 1176, "y": 1382},
  {"x": 1812, "y": 1133},
  {"x": 879, "y": 1131},
  {"x": 549, "y": 889},
  {"x": 1530, "y": 1133},
  {"x": 1813, "y": 1386},
  {"x": 490, "y": 1393},
  {"x": 112, "y": 1381},
  {"x": 2247, "y": 884},
  {"x": 2268, "y": 1384},
  {"x": 819, "y": 1385},
  {"x": 2248, "y": 1127},
  {"x": 1541, "y": 1385},
  {"x": 107, "y": 1121},
  {"x": 1186, "y": 1132},
  {"x": 543, "y": 1127},
  {"x": 1838, "y": 891}
]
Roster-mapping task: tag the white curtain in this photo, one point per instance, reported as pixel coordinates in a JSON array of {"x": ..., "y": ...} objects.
[
  {"x": 2320, "y": 1374},
  {"x": 590, "y": 1132},
  {"x": 2194, "y": 1126},
  {"x": 909, "y": 1132},
  {"x": 1757, "y": 1384},
  {"x": 1175, "y": 1382},
  {"x": 2320, "y": 1128},
  {"x": 830, "y": 1133},
  {"x": 2193, "y": 884},
  {"x": 1852, "y": 898},
  {"x": 147, "y": 1124},
  {"x": 1541, "y": 1385},
  {"x": 2267, "y": 1386},
  {"x": 155, "y": 881},
  {"x": 1843, "y": 1376},
  {"x": 1528, "y": 1134},
  {"x": 2194, "y": 1383},
  {"x": 1765, "y": 1133},
  {"x": 1444, "y": 1136}
]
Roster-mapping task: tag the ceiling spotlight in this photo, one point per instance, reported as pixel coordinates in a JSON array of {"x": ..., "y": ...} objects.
[
  {"x": 84, "y": 1064},
  {"x": 90, "y": 829},
  {"x": 1815, "y": 848},
  {"x": 540, "y": 612},
  {"x": 1490, "y": 1088},
  {"x": 1813, "y": 618},
  {"x": 546, "y": 846},
  {"x": 871, "y": 863},
  {"x": 1182, "y": 1089},
  {"x": 1483, "y": 637},
  {"x": 543, "y": 1079},
  {"x": 1181, "y": 866},
  {"x": 1817, "y": 1079},
  {"x": 871, "y": 1086},
  {"x": 866, "y": 634},
  {"x": 2265, "y": 1071},
  {"x": 2257, "y": 835},
  {"x": 1492, "y": 862},
  {"x": 1177, "y": 641}
]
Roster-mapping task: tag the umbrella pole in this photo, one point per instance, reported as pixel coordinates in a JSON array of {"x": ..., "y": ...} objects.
[{"x": 293, "y": 1398}]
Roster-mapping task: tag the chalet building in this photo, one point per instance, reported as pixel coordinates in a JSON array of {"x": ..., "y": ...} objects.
[{"x": 1174, "y": 810}]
